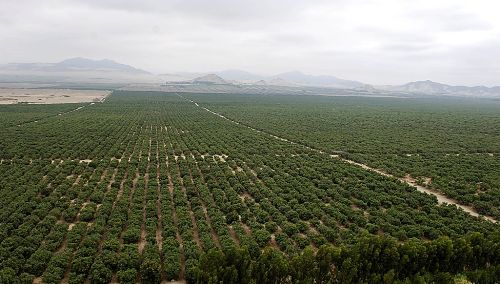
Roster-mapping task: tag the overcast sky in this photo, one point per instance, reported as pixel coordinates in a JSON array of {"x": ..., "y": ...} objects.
[{"x": 377, "y": 42}]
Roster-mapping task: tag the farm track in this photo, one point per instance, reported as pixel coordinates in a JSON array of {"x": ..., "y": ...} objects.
[{"x": 440, "y": 197}]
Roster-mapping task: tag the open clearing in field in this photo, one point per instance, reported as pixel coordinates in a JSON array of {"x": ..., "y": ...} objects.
[{"x": 51, "y": 96}]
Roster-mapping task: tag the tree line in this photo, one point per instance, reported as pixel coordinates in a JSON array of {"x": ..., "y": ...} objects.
[{"x": 372, "y": 259}]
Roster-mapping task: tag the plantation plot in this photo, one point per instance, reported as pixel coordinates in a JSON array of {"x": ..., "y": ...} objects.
[
  {"x": 19, "y": 114},
  {"x": 441, "y": 198},
  {"x": 164, "y": 181},
  {"x": 451, "y": 146}
]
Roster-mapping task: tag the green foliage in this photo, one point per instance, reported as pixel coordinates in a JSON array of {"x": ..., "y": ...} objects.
[
  {"x": 370, "y": 259},
  {"x": 143, "y": 185},
  {"x": 127, "y": 276},
  {"x": 99, "y": 273},
  {"x": 453, "y": 142},
  {"x": 151, "y": 267},
  {"x": 8, "y": 275}
]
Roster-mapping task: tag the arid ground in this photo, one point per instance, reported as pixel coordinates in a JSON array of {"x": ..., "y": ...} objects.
[{"x": 50, "y": 96}]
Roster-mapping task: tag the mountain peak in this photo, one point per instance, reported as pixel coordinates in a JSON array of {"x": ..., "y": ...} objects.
[
  {"x": 82, "y": 63},
  {"x": 318, "y": 80},
  {"x": 436, "y": 88},
  {"x": 76, "y": 64},
  {"x": 84, "y": 60},
  {"x": 77, "y": 59},
  {"x": 425, "y": 82},
  {"x": 210, "y": 79}
]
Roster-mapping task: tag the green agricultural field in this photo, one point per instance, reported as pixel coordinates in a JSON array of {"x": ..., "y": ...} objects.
[
  {"x": 25, "y": 113},
  {"x": 152, "y": 187},
  {"x": 450, "y": 144}
]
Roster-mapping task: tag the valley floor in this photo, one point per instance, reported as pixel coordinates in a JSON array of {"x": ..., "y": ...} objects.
[{"x": 142, "y": 186}]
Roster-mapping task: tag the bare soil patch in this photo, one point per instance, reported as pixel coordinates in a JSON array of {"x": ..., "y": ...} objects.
[
  {"x": 247, "y": 229},
  {"x": 246, "y": 196},
  {"x": 51, "y": 96},
  {"x": 233, "y": 234}
]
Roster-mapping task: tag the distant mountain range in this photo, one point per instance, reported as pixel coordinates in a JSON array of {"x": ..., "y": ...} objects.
[
  {"x": 106, "y": 70},
  {"x": 319, "y": 80},
  {"x": 76, "y": 70},
  {"x": 74, "y": 64},
  {"x": 433, "y": 88},
  {"x": 293, "y": 78},
  {"x": 215, "y": 79},
  {"x": 296, "y": 78}
]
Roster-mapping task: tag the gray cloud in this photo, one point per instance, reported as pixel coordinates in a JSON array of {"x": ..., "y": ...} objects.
[
  {"x": 453, "y": 18},
  {"x": 380, "y": 42}
]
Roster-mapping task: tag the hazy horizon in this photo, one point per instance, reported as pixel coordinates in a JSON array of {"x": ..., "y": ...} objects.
[{"x": 375, "y": 42}]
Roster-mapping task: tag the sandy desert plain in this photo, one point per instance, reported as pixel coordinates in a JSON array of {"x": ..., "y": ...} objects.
[{"x": 50, "y": 96}]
